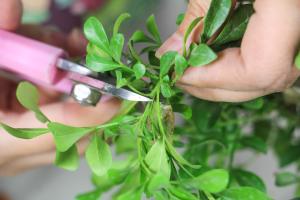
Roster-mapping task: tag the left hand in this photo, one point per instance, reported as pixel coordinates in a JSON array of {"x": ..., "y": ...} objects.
[{"x": 263, "y": 65}]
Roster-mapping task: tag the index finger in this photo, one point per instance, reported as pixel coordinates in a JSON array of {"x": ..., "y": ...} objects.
[{"x": 10, "y": 14}]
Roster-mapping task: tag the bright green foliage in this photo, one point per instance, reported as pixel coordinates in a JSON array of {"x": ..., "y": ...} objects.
[
  {"x": 244, "y": 193},
  {"x": 24, "y": 133},
  {"x": 297, "y": 61},
  {"x": 68, "y": 160},
  {"x": 27, "y": 95},
  {"x": 66, "y": 136},
  {"x": 146, "y": 135},
  {"x": 213, "y": 181},
  {"x": 202, "y": 55},
  {"x": 98, "y": 156}
]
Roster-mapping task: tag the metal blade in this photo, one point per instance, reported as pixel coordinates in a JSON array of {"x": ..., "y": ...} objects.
[
  {"x": 124, "y": 94},
  {"x": 108, "y": 88}
]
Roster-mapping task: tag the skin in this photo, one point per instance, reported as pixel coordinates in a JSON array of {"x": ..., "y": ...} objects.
[
  {"x": 18, "y": 155},
  {"x": 263, "y": 65}
]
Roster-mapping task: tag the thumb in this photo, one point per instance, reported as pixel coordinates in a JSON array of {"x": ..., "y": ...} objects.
[
  {"x": 196, "y": 8},
  {"x": 10, "y": 14}
]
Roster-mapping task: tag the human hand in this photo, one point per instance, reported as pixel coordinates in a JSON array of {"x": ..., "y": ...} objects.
[
  {"x": 17, "y": 155},
  {"x": 263, "y": 65}
]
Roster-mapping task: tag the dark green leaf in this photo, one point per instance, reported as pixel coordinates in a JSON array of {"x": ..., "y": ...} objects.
[
  {"x": 139, "y": 70},
  {"x": 116, "y": 46},
  {"x": 98, "y": 156},
  {"x": 236, "y": 26},
  {"x": 286, "y": 178},
  {"x": 93, "y": 195},
  {"x": 66, "y": 136},
  {"x": 246, "y": 178},
  {"x": 28, "y": 96},
  {"x": 183, "y": 109},
  {"x": 68, "y": 160},
  {"x": 95, "y": 33},
  {"x": 255, "y": 143},
  {"x": 166, "y": 62},
  {"x": 180, "y": 66},
  {"x": 119, "y": 21},
  {"x": 213, "y": 181},
  {"x": 215, "y": 17},
  {"x": 99, "y": 64},
  {"x": 157, "y": 159},
  {"x": 24, "y": 133},
  {"x": 243, "y": 193},
  {"x": 202, "y": 55},
  {"x": 153, "y": 29}
]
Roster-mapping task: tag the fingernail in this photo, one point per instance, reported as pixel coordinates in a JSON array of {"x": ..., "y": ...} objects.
[{"x": 106, "y": 98}]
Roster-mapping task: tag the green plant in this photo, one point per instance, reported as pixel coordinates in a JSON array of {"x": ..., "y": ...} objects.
[{"x": 146, "y": 133}]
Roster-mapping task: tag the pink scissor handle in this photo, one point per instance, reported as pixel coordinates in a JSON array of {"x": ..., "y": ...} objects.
[{"x": 33, "y": 60}]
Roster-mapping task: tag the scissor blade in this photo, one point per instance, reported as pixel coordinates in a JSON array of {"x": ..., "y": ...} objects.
[
  {"x": 124, "y": 94},
  {"x": 108, "y": 88}
]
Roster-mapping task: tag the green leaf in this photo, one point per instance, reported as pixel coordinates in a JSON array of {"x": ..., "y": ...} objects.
[
  {"x": 24, "y": 133},
  {"x": 95, "y": 33},
  {"x": 133, "y": 194},
  {"x": 157, "y": 159},
  {"x": 183, "y": 109},
  {"x": 180, "y": 18},
  {"x": 166, "y": 62},
  {"x": 95, "y": 51},
  {"x": 188, "y": 32},
  {"x": 119, "y": 21},
  {"x": 153, "y": 29},
  {"x": 98, "y": 156},
  {"x": 93, "y": 195},
  {"x": 202, "y": 55},
  {"x": 246, "y": 178},
  {"x": 166, "y": 90},
  {"x": 66, "y": 136},
  {"x": 255, "y": 143},
  {"x": 179, "y": 158},
  {"x": 180, "y": 66},
  {"x": 28, "y": 96},
  {"x": 236, "y": 26},
  {"x": 244, "y": 193},
  {"x": 181, "y": 193},
  {"x": 286, "y": 178},
  {"x": 68, "y": 160},
  {"x": 140, "y": 37},
  {"x": 213, "y": 181},
  {"x": 116, "y": 46},
  {"x": 139, "y": 70},
  {"x": 121, "y": 82},
  {"x": 215, "y": 17},
  {"x": 256, "y": 104},
  {"x": 157, "y": 182},
  {"x": 99, "y": 64},
  {"x": 297, "y": 61}
]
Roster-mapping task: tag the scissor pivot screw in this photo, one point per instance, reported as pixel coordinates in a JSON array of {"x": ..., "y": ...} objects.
[{"x": 85, "y": 95}]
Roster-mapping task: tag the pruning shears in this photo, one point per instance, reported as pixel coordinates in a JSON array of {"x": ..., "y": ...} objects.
[{"x": 48, "y": 66}]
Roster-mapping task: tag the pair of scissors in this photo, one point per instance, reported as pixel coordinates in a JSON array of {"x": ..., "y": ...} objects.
[{"x": 48, "y": 66}]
